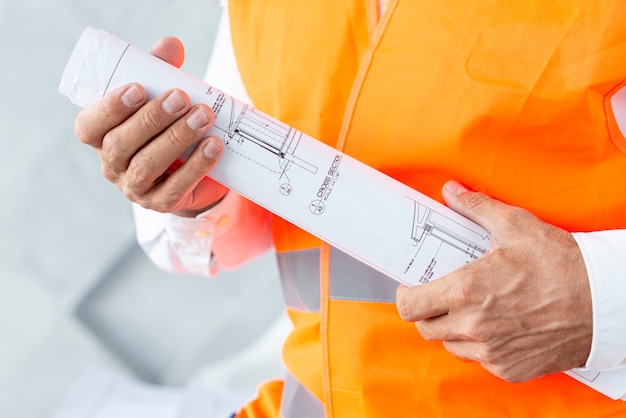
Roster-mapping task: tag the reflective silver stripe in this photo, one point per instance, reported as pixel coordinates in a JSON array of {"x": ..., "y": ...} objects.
[
  {"x": 300, "y": 276},
  {"x": 299, "y": 402},
  {"x": 351, "y": 279}
]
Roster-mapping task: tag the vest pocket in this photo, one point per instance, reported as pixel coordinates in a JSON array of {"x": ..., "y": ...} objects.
[{"x": 615, "y": 110}]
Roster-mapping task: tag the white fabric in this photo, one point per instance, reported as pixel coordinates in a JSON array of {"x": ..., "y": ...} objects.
[
  {"x": 382, "y": 6},
  {"x": 604, "y": 253},
  {"x": 172, "y": 243},
  {"x": 618, "y": 106}
]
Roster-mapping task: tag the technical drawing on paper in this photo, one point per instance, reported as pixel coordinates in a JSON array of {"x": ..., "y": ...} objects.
[
  {"x": 248, "y": 129},
  {"x": 436, "y": 240}
]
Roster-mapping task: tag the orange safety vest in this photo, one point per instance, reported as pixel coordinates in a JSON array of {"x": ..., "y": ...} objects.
[{"x": 508, "y": 97}]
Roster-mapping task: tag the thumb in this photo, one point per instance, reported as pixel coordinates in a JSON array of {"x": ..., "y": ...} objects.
[
  {"x": 169, "y": 49},
  {"x": 475, "y": 206}
]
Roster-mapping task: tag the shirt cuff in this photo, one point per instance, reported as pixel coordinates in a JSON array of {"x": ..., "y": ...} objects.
[
  {"x": 193, "y": 239},
  {"x": 604, "y": 255},
  {"x": 179, "y": 244}
]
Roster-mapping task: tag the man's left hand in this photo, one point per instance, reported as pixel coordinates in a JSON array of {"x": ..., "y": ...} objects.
[{"x": 523, "y": 310}]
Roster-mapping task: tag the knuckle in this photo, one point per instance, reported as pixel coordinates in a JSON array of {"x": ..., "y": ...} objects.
[
  {"x": 168, "y": 206},
  {"x": 141, "y": 171},
  {"x": 403, "y": 307},
  {"x": 157, "y": 207},
  {"x": 150, "y": 121},
  {"x": 133, "y": 195},
  {"x": 177, "y": 200},
  {"x": 147, "y": 201},
  {"x": 179, "y": 137},
  {"x": 86, "y": 129},
  {"x": 197, "y": 168},
  {"x": 493, "y": 369},
  {"x": 466, "y": 331},
  {"x": 82, "y": 133},
  {"x": 457, "y": 352},
  {"x": 512, "y": 378},
  {"x": 481, "y": 334},
  {"x": 510, "y": 214},
  {"x": 511, "y": 217},
  {"x": 425, "y": 331},
  {"x": 476, "y": 200},
  {"x": 93, "y": 122},
  {"x": 504, "y": 373},
  {"x": 170, "y": 202},
  {"x": 128, "y": 193},
  {"x": 112, "y": 149},
  {"x": 461, "y": 293},
  {"x": 486, "y": 355},
  {"x": 493, "y": 357},
  {"x": 108, "y": 173},
  {"x": 108, "y": 110}
]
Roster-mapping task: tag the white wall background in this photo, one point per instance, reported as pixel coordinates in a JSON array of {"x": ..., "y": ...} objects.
[{"x": 75, "y": 290}]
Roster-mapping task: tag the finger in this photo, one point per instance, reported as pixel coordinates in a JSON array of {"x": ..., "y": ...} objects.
[
  {"x": 464, "y": 350},
  {"x": 448, "y": 327},
  {"x": 421, "y": 302},
  {"x": 121, "y": 144},
  {"x": 154, "y": 159},
  {"x": 478, "y": 207},
  {"x": 93, "y": 122},
  {"x": 188, "y": 187},
  {"x": 169, "y": 49},
  {"x": 204, "y": 196}
]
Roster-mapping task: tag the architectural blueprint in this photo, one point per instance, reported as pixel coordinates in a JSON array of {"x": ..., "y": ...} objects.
[
  {"x": 359, "y": 210},
  {"x": 376, "y": 219}
]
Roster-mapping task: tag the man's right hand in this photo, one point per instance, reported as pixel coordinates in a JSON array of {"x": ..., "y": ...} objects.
[{"x": 139, "y": 140}]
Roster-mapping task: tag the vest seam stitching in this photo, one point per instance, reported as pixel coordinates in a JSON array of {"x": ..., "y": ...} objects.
[{"x": 364, "y": 67}]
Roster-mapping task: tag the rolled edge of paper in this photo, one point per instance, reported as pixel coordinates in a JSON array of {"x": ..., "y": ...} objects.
[{"x": 91, "y": 66}]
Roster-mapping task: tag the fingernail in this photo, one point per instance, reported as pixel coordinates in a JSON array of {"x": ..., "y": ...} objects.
[
  {"x": 173, "y": 103},
  {"x": 132, "y": 96},
  {"x": 211, "y": 149},
  {"x": 198, "y": 119},
  {"x": 454, "y": 187}
]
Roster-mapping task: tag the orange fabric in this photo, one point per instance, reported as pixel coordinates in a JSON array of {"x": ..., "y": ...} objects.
[
  {"x": 506, "y": 97},
  {"x": 302, "y": 348},
  {"x": 509, "y": 101},
  {"x": 380, "y": 367},
  {"x": 267, "y": 404}
]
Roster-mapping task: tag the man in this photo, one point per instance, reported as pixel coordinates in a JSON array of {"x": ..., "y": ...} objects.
[{"x": 514, "y": 100}]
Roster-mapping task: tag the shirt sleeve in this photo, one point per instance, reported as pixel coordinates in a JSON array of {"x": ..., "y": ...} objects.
[
  {"x": 222, "y": 238},
  {"x": 228, "y": 235},
  {"x": 604, "y": 253}
]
